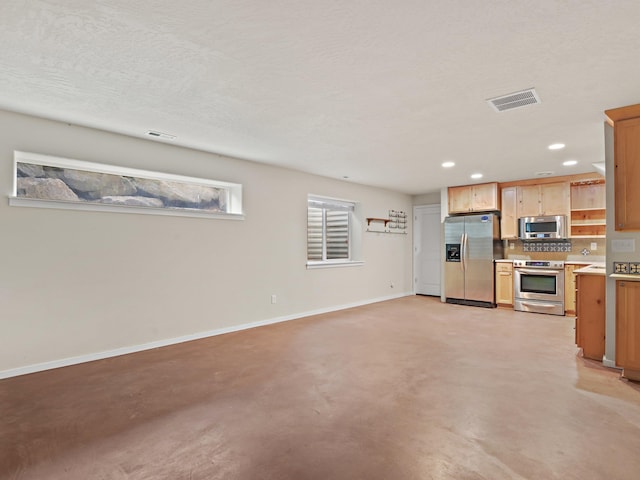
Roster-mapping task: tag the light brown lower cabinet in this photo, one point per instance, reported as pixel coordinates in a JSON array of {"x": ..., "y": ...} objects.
[
  {"x": 628, "y": 327},
  {"x": 504, "y": 284},
  {"x": 590, "y": 315},
  {"x": 570, "y": 288}
]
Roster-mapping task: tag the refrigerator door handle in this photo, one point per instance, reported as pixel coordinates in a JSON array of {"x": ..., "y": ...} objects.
[
  {"x": 463, "y": 252},
  {"x": 466, "y": 250}
]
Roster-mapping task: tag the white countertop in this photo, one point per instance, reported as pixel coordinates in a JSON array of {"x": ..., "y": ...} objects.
[
  {"x": 625, "y": 276},
  {"x": 592, "y": 269}
]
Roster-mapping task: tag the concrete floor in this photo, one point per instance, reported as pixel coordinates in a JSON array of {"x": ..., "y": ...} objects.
[{"x": 406, "y": 389}]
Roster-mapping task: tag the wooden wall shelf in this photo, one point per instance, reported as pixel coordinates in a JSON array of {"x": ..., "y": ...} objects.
[
  {"x": 387, "y": 232},
  {"x": 385, "y": 220}
]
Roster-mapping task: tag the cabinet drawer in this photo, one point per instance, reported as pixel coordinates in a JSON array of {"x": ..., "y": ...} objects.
[{"x": 504, "y": 267}]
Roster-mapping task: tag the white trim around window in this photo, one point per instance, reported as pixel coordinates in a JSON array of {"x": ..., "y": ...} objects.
[
  {"x": 231, "y": 193},
  {"x": 334, "y": 234}
]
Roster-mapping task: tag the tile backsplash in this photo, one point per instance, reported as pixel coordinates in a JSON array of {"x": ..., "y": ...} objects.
[
  {"x": 546, "y": 246},
  {"x": 632, "y": 268},
  {"x": 556, "y": 250}
]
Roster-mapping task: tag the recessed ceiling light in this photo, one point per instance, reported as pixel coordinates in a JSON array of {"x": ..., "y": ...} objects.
[
  {"x": 448, "y": 164},
  {"x": 569, "y": 163},
  {"x": 556, "y": 146},
  {"x": 476, "y": 175}
]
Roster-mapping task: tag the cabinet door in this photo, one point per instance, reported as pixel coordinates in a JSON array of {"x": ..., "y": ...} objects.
[
  {"x": 460, "y": 199},
  {"x": 555, "y": 198},
  {"x": 628, "y": 324},
  {"x": 591, "y": 196},
  {"x": 509, "y": 216},
  {"x": 570, "y": 289},
  {"x": 485, "y": 197},
  {"x": 504, "y": 284},
  {"x": 591, "y": 315},
  {"x": 528, "y": 201},
  {"x": 627, "y": 174}
]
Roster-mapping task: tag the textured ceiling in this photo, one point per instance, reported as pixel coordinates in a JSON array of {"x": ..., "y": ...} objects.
[{"x": 382, "y": 92}]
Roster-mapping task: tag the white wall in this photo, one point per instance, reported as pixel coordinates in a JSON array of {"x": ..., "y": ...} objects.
[
  {"x": 431, "y": 198},
  {"x": 76, "y": 283}
]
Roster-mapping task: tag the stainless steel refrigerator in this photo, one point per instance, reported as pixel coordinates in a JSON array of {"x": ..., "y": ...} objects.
[{"x": 472, "y": 243}]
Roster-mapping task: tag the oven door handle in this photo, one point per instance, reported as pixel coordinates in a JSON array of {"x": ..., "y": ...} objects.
[
  {"x": 541, "y": 305},
  {"x": 548, "y": 273}
]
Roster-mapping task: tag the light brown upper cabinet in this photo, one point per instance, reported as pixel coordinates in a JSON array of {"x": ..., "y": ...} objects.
[
  {"x": 543, "y": 199},
  {"x": 473, "y": 198},
  {"x": 509, "y": 214},
  {"x": 626, "y": 154}
]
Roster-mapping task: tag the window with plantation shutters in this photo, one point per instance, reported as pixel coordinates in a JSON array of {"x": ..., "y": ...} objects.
[
  {"x": 328, "y": 229},
  {"x": 314, "y": 233}
]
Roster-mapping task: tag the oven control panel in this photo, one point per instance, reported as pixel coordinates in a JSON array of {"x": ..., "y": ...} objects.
[{"x": 539, "y": 263}]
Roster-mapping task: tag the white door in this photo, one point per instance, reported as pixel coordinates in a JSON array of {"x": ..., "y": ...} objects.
[{"x": 427, "y": 249}]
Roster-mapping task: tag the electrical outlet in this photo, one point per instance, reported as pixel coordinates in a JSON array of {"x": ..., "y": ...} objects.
[
  {"x": 512, "y": 246},
  {"x": 594, "y": 246},
  {"x": 274, "y": 299}
]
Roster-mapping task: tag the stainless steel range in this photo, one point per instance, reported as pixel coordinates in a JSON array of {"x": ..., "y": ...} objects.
[{"x": 539, "y": 286}]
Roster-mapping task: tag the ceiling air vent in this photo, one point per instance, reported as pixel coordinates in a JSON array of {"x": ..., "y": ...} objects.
[{"x": 514, "y": 100}]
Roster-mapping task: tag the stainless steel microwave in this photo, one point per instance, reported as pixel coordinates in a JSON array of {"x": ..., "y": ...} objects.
[{"x": 552, "y": 227}]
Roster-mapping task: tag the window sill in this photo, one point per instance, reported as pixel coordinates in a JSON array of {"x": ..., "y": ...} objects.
[
  {"x": 101, "y": 207},
  {"x": 334, "y": 264}
]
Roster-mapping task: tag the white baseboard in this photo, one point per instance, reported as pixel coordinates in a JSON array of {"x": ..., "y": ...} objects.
[
  {"x": 609, "y": 363},
  {"x": 65, "y": 362}
]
